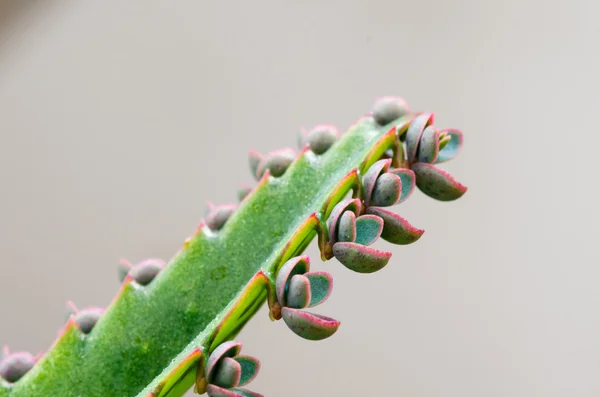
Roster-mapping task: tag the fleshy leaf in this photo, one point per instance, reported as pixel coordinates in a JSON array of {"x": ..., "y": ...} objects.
[
  {"x": 368, "y": 229},
  {"x": 298, "y": 294},
  {"x": 250, "y": 367},
  {"x": 452, "y": 148},
  {"x": 387, "y": 109},
  {"x": 247, "y": 393},
  {"x": 370, "y": 178},
  {"x": 218, "y": 216},
  {"x": 226, "y": 349},
  {"x": 296, "y": 265},
  {"x": 387, "y": 191},
  {"x": 15, "y": 365},
  {"x": 216, "y": 391},
  {"x": 347, "y": 227},
  {"x": 429, "y": 145},
  {"x": 408, "y": 182},
  {"x": 437, "y": 183},
  {"x": 360, "y": 258},
  {"x": 309, "y": 325},
  {"x": 228, "y": 373},
  {"x": 396, "y": 229},
  {"x": 414, "y": 133},
  {"x": 321, "y": 137},
  {"x": 353, "y": 205},
  {"x": 254, "y": 159},
  {"x": 321, "y": 285}
]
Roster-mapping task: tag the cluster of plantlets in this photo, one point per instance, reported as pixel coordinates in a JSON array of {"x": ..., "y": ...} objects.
[{"x": 172, "y": 325}]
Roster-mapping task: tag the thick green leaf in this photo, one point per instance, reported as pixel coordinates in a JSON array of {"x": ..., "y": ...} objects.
[
  {"x": 452, "y": 147},
  {"x": 309, "y": 325}
]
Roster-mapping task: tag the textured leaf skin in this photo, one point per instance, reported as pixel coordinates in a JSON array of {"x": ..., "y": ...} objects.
[
  {"x": 396, "y": 229},
  {"x": 437, "y": 183},
  {"x": 150, "y": 339},
  {"x": 360, "y": 258},
  {"x": 309, "y": 325}
]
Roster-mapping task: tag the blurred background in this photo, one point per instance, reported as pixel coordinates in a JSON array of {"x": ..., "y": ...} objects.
[{"x": 118, "y": 120}]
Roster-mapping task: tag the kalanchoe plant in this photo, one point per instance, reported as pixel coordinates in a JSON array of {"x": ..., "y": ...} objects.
[{"x": 171, "y": 326}]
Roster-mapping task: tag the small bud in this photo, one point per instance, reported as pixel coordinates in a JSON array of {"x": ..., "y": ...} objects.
[
  {"x": 218, "y": 216},
  {"x": 387, "y": 109},
  {"x": 15, "y": 365},
  {"x": 321, "y": 138}
]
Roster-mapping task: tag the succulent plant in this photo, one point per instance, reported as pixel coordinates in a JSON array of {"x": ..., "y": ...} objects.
[{"x": 171, "y": 326}]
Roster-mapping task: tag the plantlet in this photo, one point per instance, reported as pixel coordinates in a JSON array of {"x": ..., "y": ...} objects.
[{"x": 171, "y": 325}]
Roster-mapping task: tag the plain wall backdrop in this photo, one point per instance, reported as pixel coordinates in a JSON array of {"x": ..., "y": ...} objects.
[{"x": 118, "y": 120}]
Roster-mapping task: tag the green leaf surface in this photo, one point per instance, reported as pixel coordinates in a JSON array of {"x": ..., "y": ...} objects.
[{"x": 142, "y": 344}]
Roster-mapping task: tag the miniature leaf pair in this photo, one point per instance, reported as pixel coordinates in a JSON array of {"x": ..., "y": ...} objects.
[
  {"x": 425, "y": 146},
  {"x": 227, "y": 371},
  {"x": 298, "y": 288}
]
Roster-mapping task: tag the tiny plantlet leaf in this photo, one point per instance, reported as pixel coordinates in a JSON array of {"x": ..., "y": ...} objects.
[
  {"x": 408, "y": 179},
  {"x": 414, "y": 133},
  {"x": 437, "y": 183},
  {"x": 387, "y": 191},
  {"x": 360, "y": 258},
  {"x": 347, "y": 227},
  {"x": 429, "y": 145},
  {"x": 353, "y": 205},
  {"x": 371, "y": 176},
  {"x": 309, "y": 325},
  {"x": 452, "y": 146},
  {"x": 228, "y": 373},
  {"x": 396, "y": 229},
  {"x": 321, "y": 285},
  {"x": 368, "y": 229},
  {"x": 250, "y": 367},
  {"x": 171, "y": 326},
  {"x": 298, "y": 294}
]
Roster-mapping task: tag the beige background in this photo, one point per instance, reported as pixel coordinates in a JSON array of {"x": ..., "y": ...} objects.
[{"x": 119, "y": 119}]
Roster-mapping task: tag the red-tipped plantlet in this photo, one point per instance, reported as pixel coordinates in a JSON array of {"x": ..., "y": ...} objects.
[{"x": 171, "y": 325}]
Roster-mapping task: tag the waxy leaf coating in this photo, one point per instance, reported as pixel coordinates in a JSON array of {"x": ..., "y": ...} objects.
[
  {"x": 321, "y": 285},
  {"x": 437, "y": 183},
  {"x": 227, "y": 373},
  {"x": 360, "y": 258},
  {"x": 387, "y": 191},
  {"x": 408, "y": 179},
  {"x": 429, "y": 145},
  {"x": 396, "y": 229},
  {"x": 298, "y": 294},
  {"x": 414, "y": 133},
  {"x": 347, "y": 227},
  {"x": 250, "y": 367},
  {"x": 368, "y": 229},
  {"x": 371, "y": 176},
  {"x": 309, "y": 325}
]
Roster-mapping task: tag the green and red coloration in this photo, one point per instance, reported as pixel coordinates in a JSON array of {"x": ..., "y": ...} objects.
[{"x": 170, "y": 326}]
